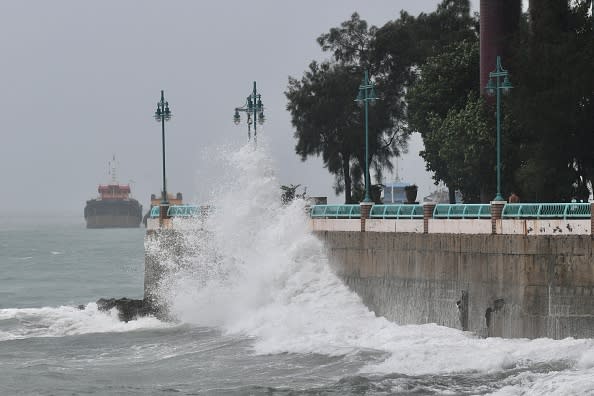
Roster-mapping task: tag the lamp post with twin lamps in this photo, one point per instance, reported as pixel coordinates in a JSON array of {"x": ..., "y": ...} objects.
[
  {"x": 254, "y": 109},
  {"x": 163, "y": 114},
  {"x": 493, "y": 87},
  {"x": 366, "y": 94}
]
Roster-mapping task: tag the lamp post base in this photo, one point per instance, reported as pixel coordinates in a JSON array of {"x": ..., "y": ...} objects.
[
  {"x": 428, "y": 208},
  {"x": 498, "y": 198},
  {"x": 365, "y": 211},
  {"x": 496, "y": 213}
]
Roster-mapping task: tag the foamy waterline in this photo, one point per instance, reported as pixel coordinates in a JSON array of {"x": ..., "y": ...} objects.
[{"x": 20, "y": 323}]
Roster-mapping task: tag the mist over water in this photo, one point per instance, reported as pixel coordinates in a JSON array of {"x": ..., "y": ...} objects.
[{"x": 259, "y": 311}]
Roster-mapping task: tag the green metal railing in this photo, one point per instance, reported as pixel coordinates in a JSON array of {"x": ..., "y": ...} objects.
[
  {"x": 396, "y": 211},
  {"x": 154, "y": 212},
  {"x": 336, "y": 211},
  {"x": 462, "y": 211},
  {"x": 183, "y": 211},
  {"x": 177, "y": 211},
  {"x": 572, "y": 210},
  {"x": 448, "y": 211}
]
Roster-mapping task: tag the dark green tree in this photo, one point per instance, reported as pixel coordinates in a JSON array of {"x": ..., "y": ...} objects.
[
  {"x": 328, "y": 122},
  {"x": 446, "y": 82},
  {"x": 464, "y": 141},
  {"x": 406, "y": 42},
  {"x": 553, "y": 101},
  {"x": 435, "y": 57}
]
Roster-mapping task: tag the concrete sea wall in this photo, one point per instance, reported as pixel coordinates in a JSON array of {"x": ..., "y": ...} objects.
[
  {"x": 170, "y": 247},
  {"x": 493, "y": 285},
  {"x": 495, "y": 277}
]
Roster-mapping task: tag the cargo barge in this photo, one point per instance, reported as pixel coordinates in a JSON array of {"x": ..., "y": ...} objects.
[{"x": 114, "y": 208}]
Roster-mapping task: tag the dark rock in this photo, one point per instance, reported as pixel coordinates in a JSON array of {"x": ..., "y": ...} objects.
[{"x": 128, "y": 309}]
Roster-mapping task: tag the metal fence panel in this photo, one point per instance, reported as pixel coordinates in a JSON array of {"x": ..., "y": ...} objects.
[
  {"x": 397, "y": 211},
  {"x": 336, "y": 211},
  {"x": 575, "y": 210},
  {"x": 462, "y": 211}
]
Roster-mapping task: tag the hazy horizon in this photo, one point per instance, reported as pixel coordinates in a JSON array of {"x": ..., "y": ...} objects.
[{"x": 81, "y": 82}]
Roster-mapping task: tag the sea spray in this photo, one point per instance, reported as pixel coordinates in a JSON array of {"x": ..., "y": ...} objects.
[
  {"x": 225, "y": 279},
  {"x": 260, "y": 272}
]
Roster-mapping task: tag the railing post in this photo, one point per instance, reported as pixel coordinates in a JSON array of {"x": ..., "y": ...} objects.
[
  {"x": 427, "y": 214},
  {"x": 496, "y": 211},
  {"x": 163, "y": 208},
  {"x": 592, "y": 219},
  {"x": 365, "y": 211}
]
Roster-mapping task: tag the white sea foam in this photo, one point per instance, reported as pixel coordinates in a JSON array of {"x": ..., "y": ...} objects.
[
  {"x": 260, "y": 272},
  {"x": 18, "y": 323},
  {"x": 566, "y": 382}
]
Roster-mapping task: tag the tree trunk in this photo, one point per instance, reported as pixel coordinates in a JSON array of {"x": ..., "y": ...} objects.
[
  {"x": 452, "y": 195},
  {"x": 347, "y": 178},
  {"x": 485, "y": 194}
]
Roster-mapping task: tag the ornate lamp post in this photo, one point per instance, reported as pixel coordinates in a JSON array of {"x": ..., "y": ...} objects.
[
  {"x": 366, "y": 94},
  {"x": 254, "y": 109},
  {"x": 163, "y": 114},
  {"x": 494, "y": 86}
]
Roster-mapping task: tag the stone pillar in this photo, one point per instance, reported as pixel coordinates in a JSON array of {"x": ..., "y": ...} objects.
[
  {"x": 496, "y": 211},
  {"x": 163, "y": 208},
  {"x": 427, "y": 214},
  {"x": 365, "y": 211}
]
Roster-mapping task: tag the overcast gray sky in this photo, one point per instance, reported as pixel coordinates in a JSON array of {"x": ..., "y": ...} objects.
[{"x": 80, "y": 81}]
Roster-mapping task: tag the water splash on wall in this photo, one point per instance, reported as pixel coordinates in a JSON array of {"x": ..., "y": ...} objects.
[{"x": 259, "y": 272}]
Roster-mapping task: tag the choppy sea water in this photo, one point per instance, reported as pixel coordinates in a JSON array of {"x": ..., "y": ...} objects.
[{"x": 259, "y": 312}]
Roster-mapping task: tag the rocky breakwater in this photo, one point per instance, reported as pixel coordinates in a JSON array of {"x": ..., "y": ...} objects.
[{"x": 128, "y": 308}]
